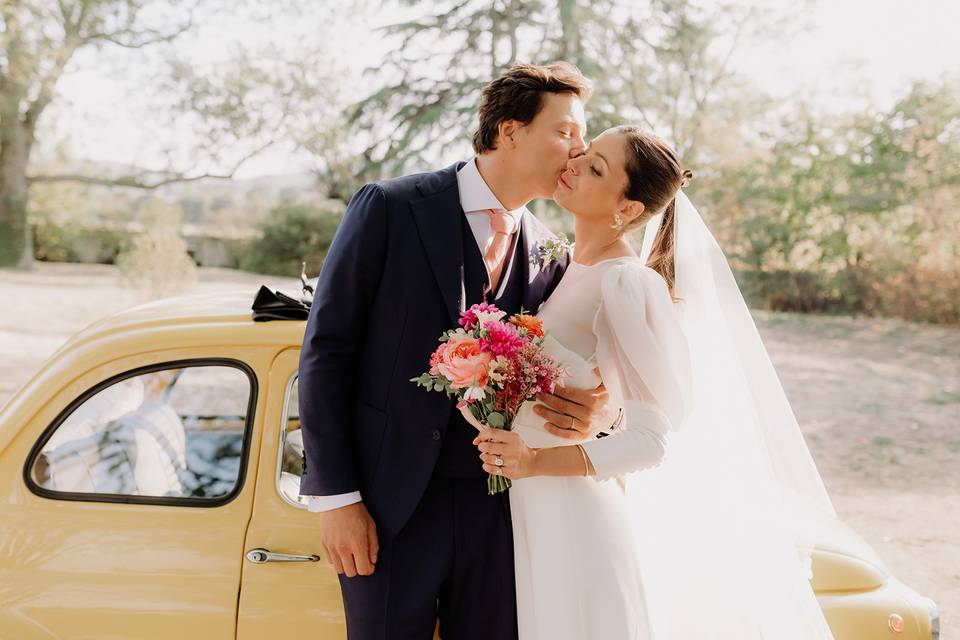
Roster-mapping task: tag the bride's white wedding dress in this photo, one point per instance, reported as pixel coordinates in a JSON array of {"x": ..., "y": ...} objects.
[
  {"x": 578, "y": 573},
  {"x": 708, "y": 540}
]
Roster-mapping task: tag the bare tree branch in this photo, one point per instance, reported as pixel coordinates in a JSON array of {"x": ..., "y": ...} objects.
[
  {"x": 153, "y": 38},
  {"x": 138, "y": 182}
]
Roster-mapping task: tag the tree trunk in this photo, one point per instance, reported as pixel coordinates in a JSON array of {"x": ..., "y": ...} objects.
[
  {"x": 571, "y": 48},
  {"x": 16, "y": 241},
  {"x": 512, "y": 27}
]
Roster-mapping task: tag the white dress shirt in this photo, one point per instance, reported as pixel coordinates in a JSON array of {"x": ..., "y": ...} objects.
[{"x": 475, "y": 198}]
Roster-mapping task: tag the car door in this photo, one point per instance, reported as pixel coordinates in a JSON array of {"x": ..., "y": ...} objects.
[
  {"x": 125, "y": 499},
  {"x": 295, "y": 592},
  {"x": 300, "y": 594}
]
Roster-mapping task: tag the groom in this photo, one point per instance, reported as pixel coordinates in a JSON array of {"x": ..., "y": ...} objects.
[{"x": 403, "y": 510}]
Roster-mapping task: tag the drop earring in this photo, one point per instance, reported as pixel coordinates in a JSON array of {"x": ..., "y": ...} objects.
[{"x": 617, "y": 222}]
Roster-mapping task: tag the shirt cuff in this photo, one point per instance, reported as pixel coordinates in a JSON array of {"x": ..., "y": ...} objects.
[
  {"x": 328, "y": 503},
  {"x": 617, "y": 423}
]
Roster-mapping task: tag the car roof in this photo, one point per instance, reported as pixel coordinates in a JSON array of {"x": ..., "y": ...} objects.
[
  {"x": 228, "y": 311},
  {"x": 190, "y": 308}
]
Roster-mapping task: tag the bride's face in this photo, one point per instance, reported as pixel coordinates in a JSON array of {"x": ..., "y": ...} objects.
[{"x": 593, "y": 183}]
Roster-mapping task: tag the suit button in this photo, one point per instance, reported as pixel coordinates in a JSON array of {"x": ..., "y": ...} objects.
[{"x": 436, "y": 434}]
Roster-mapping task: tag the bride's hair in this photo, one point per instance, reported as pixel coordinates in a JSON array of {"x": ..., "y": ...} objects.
[{"x": 654, "y": 176}]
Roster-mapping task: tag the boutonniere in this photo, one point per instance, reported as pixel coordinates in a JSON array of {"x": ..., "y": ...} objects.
[{"x": 554, "y": 249}]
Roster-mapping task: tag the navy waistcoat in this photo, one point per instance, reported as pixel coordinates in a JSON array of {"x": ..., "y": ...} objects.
[{"x": 459, "y": 458}]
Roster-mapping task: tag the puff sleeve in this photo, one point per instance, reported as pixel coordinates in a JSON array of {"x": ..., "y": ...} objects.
[{"x": 644, "y": 361}]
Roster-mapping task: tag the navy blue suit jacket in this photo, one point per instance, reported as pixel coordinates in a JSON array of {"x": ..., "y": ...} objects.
[{"x": 389, "y": 287}]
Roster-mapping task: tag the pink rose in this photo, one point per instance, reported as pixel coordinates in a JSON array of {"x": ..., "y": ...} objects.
[
  {"x": 437, "y": 357},
  {"x": 463, "y": 363}
]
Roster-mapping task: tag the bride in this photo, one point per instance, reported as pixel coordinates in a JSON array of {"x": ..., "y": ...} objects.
[{"x": 678, "y": 524}]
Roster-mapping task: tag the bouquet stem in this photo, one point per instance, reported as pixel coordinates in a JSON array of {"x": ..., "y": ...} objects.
[
  {"x": 497, "y": 484},
  {"x": 481, "y": 416}
]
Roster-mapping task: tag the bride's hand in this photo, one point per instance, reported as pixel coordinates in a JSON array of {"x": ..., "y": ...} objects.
[{"x": 519, "y": 460}]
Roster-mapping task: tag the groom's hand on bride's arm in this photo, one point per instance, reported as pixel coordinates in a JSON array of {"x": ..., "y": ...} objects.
[
  {"x": 574, "y": 413},
  {"x": 349, "y": 536}
]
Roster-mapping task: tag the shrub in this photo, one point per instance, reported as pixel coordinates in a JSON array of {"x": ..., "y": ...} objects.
[
  {"x": 157, "y": 265},
  {"x": 292, "y": 234},
  {"x": 77, "y": 243}
]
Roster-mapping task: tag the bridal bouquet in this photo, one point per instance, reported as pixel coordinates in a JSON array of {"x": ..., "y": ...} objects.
[{"x": 492, "y": 365}]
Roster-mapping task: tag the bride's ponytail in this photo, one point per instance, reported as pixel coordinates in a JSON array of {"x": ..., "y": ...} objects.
[
  {"x": 662, "y": 250},
  {"x": 654, "y": 176}
]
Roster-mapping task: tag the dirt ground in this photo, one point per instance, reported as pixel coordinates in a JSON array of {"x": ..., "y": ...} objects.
[{"x": 878, "y": 401}]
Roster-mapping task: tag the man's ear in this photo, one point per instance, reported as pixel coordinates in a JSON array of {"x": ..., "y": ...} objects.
[
  {"x": 631, "y": 210},
  {"x": 508, "y": 130}
]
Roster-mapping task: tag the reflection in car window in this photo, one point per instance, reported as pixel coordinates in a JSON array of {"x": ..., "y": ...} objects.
[
  {"x": 174, "y": 433},
  {"x": 291, "y": 448}
]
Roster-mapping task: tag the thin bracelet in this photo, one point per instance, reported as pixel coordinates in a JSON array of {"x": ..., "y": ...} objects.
[{"x": 586, "y": 465}]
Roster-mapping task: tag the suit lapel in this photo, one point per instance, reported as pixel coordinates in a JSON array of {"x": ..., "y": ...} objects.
[{"x": 438, "y": 218}]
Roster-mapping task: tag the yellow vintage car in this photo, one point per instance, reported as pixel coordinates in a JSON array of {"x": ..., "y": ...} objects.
[{"x": 149, "y": 475}]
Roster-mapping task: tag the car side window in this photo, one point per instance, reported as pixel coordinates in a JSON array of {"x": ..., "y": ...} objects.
[
  {"x": 290, "y": 466},
  {"x": 174, "y": 435}
]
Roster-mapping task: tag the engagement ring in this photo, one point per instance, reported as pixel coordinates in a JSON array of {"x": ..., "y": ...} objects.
[{"x": 498, "y": 462}]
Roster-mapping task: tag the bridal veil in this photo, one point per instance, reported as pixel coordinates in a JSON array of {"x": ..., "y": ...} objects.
[{"x": 724, "y": 549}]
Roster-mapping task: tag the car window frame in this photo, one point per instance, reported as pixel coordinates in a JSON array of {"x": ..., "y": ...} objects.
[
  {"x": 282, "y": 440},
  {"x": 205, "y": 503}
]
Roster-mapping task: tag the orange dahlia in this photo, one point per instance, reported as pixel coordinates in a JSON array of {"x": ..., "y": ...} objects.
[{"x": 532, "y": 324}]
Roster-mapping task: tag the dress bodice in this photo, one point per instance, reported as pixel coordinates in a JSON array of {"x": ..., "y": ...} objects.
[
  {"x": 617, "y": 316},
  {"x": 568, "y": 316}
]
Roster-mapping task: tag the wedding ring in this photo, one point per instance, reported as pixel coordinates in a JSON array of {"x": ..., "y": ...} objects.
[{"x": 498, "y": 461}]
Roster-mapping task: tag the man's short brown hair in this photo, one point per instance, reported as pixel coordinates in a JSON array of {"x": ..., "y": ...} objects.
[{"x": 518, "y": 95}]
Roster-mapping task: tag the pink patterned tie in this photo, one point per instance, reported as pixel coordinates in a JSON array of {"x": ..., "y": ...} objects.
[{"x": 503, "y": 226}]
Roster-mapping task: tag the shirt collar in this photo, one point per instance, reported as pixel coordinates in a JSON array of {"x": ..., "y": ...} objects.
[{"x": 475, "y": 194}]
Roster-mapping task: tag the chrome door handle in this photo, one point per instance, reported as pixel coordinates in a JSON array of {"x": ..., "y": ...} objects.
[{"x": 260, "y": 555}]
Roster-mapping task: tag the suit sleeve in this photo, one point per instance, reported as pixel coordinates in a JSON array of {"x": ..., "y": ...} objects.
[{"x": 335, "y": 332}]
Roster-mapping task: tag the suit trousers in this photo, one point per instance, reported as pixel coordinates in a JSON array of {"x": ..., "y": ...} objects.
[{"x": 452, "y": 561}]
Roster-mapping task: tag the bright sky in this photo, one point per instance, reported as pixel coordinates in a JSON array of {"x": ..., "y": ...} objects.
[
  {"x": 868, "y": 48},
  {"x": 858, "y": 51}
]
